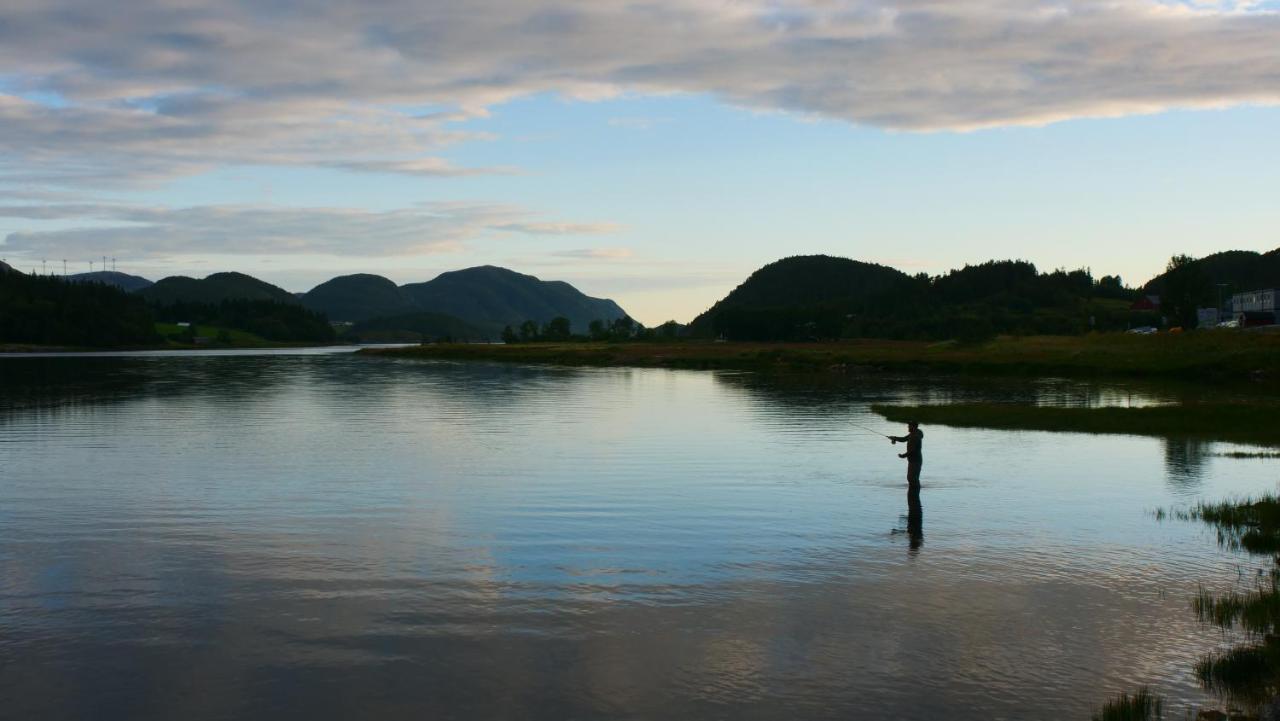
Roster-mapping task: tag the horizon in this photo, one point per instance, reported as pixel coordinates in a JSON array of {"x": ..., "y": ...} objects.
[
  {"x": 587, "y": 144},
  {"x": 1096, "y": 276}
]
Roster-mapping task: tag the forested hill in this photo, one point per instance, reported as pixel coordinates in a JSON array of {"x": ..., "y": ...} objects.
[
  {"x": 490, "y": 298},
  {"x": 5, "y": 267},
  {"x": 48, "y": 310},
  {"x": 766, "y": 304},
  {"x": 358, "y": 297},
  {"x": 214, "y": 289},
  {"x": 1237, "y": 270},
  {"x": 123, "y": 281},
  {"x": 821, "y": 297}
]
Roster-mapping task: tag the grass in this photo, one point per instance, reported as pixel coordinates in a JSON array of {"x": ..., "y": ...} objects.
[
  {"x": 1236, "y": 422},
  {"x": 238, "y": 338},
  {"x": 1141, "y": 706},
  {"x": 1248, "y": 673},
  {"x": 1197, "y": 356}
]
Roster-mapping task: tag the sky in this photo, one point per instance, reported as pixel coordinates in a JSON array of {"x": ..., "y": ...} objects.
[{"x": 655, "y": 153}]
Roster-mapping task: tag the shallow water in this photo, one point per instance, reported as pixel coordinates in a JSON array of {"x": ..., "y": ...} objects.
[{"x": 330, "y": 536}]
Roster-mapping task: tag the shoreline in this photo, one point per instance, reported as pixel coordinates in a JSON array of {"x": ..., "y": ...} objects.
[{"x": 23, "y": 349}]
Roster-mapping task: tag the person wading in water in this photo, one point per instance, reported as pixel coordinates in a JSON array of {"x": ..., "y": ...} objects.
[{"x": 915, "y": 459}]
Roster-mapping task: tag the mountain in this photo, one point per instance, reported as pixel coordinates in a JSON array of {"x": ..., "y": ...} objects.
[
  {"x": 416, "y": 327},
  {"x": 5, "y": 267},
  {"x": 491, "y": 297},
  {"x": 1239, "y": 270},
  {"x": 123, "y": 281},
  {"x": 215, "y": 289},
  {"x": 819, "y": 297},
  {"x": 836, "y": 286},
  {"x": 357, "y": 298}
]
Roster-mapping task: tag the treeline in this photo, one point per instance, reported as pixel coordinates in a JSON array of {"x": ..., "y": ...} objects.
[
  {"x": 46, "y": 310},
  {"x": 971, "y": 304},
  {"x": 560, "y": 330},
  {"x": 265, "y": 318}
]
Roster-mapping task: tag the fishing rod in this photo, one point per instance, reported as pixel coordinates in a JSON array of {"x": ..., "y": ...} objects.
[{"x": 868, "y": 430}]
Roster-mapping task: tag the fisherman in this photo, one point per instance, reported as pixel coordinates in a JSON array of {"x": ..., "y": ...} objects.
[{"x": 915, "y": 459}]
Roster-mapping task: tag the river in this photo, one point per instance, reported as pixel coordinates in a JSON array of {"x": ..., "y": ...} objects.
[{"x": 321, "y": 535}]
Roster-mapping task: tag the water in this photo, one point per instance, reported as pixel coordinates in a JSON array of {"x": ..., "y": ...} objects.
[{"x": 313, "y": 536}]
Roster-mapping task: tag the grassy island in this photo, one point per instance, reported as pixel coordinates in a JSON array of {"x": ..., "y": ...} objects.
[{"x": 1232, "y": 422}]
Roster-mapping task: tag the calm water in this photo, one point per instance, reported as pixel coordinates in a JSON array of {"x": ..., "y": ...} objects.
[{"x": 315, "y": 536}]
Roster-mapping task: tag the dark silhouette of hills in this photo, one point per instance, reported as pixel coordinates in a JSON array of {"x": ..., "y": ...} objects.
[
  {"x": 415, "y": 328},
  {"x": 1239, "y": 270},
  {"x": 491, "y": 298},
  {"x": 822, "y": 297},
  {"x": 5, "y": 267},
  {"x": 481, "y": 300},
  {"x": 48, "y": 310},
  {"x": 214, "y": 289},
  {"x": 358, "y": 297},
  {"x": 794, "y": 285},
  {"x": 123, "y": 281}
]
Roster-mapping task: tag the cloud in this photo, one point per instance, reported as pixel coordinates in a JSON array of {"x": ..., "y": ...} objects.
[
  {"x": 595, "y": 253},
  {"x": 143, "y": 89},
  {"x": 142, "y": 232},
  {"x": 553, "y": 228}
]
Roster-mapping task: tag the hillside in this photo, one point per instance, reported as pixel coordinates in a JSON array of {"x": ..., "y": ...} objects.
[
  {"x": 215, "y": 289},
  {"x": 490, "y": 298},
  {"x": 416, "y": 328},
  {"x": 821, "y": 297},
  {"x": 1239, "y": 270},
  {"x": 5, "y": 267},
  {"x": 799, "y": 290},
  {"x": 123, "y": 281},
  {"x": 48, "y": 310},
  {"x": 357, "y": 298}
]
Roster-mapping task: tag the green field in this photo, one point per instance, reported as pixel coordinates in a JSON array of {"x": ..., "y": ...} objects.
[
  {"x": 1198, "y": 356},
  {"x": 233, "y": 338}
]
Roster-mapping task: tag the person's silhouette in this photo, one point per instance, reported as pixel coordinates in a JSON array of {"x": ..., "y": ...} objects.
[{"x": 914, "y": 455}]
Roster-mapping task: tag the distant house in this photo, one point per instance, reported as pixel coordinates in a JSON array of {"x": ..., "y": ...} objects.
[
  {"x": 1146, "y": 302},
  {"x": 1255, "y": 307},
  {"x": 1206, "y": 317}
]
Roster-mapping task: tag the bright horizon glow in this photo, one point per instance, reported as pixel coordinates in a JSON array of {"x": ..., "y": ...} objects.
[{"x": 590, "y": 145}]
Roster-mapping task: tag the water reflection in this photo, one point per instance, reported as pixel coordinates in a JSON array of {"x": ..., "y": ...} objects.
[
  {"x": 914, "y": 520},
  {"x": 1184, "y": 462},
  {"x": 335, "y": 537}
]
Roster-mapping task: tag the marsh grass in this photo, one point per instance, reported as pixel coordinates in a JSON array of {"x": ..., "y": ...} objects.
[
  {"x": 1247, "y": 454},
  {"x": 1238, "y": 422},
  {"x": 1141, "y": 706},
  {"x": 1249, "y": 673}
]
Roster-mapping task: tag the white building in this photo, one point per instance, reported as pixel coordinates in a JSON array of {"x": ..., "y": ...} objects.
[{"x": 1256, "y": 307}]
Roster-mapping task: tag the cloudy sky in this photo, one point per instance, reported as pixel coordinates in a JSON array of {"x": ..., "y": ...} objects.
[{"x": 652, "y": 152}]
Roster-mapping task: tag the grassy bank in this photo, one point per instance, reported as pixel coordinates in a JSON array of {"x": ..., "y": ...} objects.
[
  {"x": 1233, "y": 422},
  {"x": 1189, "y": 356}
]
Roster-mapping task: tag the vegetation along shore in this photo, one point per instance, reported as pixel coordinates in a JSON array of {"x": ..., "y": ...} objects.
[{"x": 1206, "y": 355}]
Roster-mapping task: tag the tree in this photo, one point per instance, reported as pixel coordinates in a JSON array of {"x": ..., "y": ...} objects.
[
  {"x": 623, "y": 328},
  {"x": 1186, "y": 287},
  {"x": 597, "y": 330},
  {"x": 528, "y": 331},
  {"x": 509, "y": 335},
  {"x": 557, "y": 329}
]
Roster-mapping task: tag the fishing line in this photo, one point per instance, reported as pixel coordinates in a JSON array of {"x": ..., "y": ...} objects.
[{"x": 868, "y": 430}]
